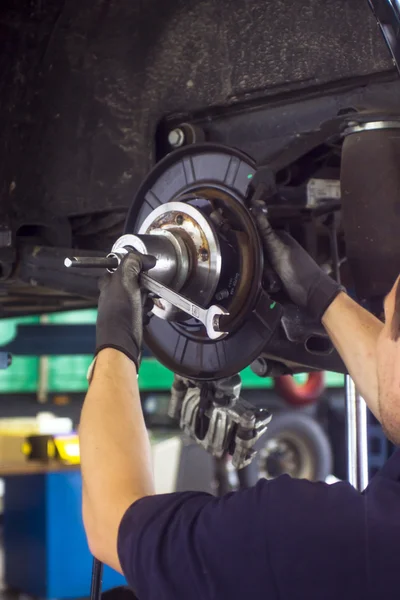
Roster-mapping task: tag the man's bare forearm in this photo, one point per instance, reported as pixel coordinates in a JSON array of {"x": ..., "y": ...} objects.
[
  {"x": 354, "y": 333},
  {"x": 115, "y": 451}
]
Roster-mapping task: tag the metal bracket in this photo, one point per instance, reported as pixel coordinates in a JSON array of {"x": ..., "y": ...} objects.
[{"x": 219, "y": 420}]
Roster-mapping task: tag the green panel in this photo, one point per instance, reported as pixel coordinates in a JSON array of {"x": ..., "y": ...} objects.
[
  {"x": 86, "y": 316},
  {"x": 252, "y": 381},
  {"x": 334, "y": 380},
  {"x": 21, "y": 376},
  {"x": 68, "y": 373},
  {"x": 153, "y": 376},
  {"x": 8, "y": 327}
]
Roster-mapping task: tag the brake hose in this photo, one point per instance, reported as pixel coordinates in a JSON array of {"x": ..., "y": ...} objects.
[{"x": 97, "y": 580}]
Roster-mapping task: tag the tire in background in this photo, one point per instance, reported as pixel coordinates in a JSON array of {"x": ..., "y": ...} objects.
[{"x": 296, "y": 444}]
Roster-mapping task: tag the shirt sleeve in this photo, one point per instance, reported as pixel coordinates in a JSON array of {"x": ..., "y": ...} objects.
[{"x": 267, "y": 542}]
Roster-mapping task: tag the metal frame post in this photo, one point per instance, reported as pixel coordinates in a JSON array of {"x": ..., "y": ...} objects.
[{"x": 357, "y": 437}]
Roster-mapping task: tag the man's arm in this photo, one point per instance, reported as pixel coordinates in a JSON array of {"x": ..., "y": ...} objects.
[
  {"x": 354, "y": 332},
  {"x": 352, "y": 329},
  {"x": 115, "y": 452}
]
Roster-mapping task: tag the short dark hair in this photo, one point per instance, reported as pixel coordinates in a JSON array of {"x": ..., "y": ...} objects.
[{"x": 395, "y": 327}]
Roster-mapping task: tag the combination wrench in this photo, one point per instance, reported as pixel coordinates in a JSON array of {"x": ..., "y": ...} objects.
[{"x": 209, "y": 317}]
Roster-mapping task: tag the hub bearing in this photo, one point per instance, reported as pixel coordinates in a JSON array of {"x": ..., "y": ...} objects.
[{"x": 199, "y": 252}]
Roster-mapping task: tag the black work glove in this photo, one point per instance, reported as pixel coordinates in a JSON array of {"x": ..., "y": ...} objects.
[
  {"x": 305, "y": 282},
  {"x": 120, "y": 309}
]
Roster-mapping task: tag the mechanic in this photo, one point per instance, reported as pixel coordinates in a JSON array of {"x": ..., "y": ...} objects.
[{"x": 284, "y": 538}]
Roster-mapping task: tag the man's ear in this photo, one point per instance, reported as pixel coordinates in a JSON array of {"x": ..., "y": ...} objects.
[{"x": 395, "y": 324}]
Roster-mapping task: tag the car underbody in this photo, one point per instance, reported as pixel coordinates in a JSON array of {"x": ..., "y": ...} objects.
[{"x": 94, "y": 94}]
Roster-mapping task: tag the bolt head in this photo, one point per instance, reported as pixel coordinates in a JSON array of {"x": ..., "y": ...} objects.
[
  {"x": 221, "y": 295},
  {"x": 176, "y": 138},
  {"x": 204, "y": 255},
  {"x": 215, "y": 322}
]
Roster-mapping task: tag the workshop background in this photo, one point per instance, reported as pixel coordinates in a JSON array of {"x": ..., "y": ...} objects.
[
  {"x": 42, "y": 390},
  {"x": 90, "y": 93}
]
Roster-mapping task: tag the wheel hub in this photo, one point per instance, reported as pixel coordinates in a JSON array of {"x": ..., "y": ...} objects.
[{"x": 198, "y": 250}]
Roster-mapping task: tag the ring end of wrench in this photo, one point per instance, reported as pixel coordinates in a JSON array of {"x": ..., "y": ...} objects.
[{"x": 213, "y": 322}]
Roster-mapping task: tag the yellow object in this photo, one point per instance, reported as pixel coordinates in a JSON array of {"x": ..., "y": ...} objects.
[
  {"x": 26, "y": 448},
  {"x": 68, "y": 449},
  {"x": 51, "y": 449}
]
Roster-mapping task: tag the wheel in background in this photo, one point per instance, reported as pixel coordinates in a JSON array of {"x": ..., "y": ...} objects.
[{"x": 294, "y": 444}]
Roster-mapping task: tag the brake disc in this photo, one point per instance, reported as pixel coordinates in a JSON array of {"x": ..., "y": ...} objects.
[{"x": 198, "y": 195}]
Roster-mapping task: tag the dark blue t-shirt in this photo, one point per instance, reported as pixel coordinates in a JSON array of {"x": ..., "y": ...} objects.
[{"x": 284, "y": 539}]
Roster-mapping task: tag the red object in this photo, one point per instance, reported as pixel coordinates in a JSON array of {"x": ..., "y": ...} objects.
[{"x": 300, "y": 394}]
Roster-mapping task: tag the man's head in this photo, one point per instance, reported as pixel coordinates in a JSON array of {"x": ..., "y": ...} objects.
[{"x": 388, "y": 364}]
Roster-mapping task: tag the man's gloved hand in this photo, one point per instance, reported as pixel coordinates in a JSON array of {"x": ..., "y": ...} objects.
[
  {"x": 305, "y": 282},
  {"x": 120, "y": 309}
]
